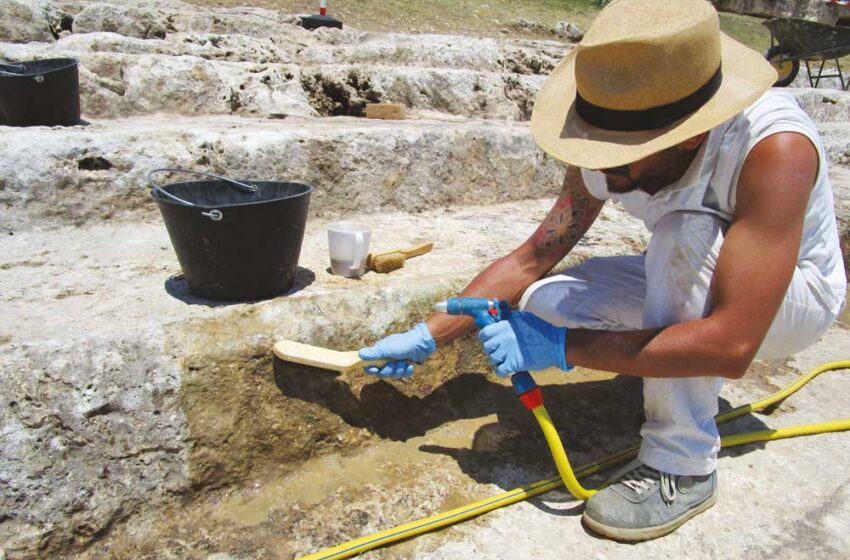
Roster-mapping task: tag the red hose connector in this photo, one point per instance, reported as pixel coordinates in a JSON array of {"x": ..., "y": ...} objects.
[{"x": 532, "y": 398}]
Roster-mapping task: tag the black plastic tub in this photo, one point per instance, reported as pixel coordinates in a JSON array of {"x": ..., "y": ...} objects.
[
  {"x": 316, "y": 21},
  {"x": 235, "y": 240},
  {"x": 40, "y": 93}
]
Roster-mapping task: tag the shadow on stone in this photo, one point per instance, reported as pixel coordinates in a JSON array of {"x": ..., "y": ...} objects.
[
  {"x": 595, "y": 419},
  {"x": 178, "y": 288}
]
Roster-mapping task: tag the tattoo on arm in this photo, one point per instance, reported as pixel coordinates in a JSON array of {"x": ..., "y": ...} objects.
[{"x": 571, "y": 216}]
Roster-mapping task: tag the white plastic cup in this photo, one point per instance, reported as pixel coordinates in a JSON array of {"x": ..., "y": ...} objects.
[{"x": 348, "y": 244}]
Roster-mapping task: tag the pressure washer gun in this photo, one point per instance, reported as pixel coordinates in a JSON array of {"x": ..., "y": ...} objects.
[{"x": 485, "y": 312}]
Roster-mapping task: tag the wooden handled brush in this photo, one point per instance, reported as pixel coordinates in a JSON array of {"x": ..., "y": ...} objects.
[
  {"x": 393, "y": 260},
  {"x": 316, "y": 356}
]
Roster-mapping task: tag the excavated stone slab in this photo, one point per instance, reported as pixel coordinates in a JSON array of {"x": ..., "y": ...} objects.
[
  {"x": 121, "y": 389},
  {"x": 824, "y": 105},
  {"x": 117, "y": 85},
  {"x": 440, "y": 51},
  {"x": 330, "y": 73},
  {"x": 97, "y": 172},
  {"x": 31, "y": 20},
  {"x": 292, "y": 44},
  {"x": 345, "y": 90},
  {"x": 131, "y": 17},
  {"x": 836, "y": 141},
  {"x": 132, "y": 21},
  {"x": 211, "y": 46}
]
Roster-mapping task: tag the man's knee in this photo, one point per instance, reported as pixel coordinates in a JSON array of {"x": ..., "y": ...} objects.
[
  {"x": 547, "y": 298},
  {"x": 601, "y": 293}
]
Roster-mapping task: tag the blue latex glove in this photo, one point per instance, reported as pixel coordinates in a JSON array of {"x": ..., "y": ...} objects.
[
  {"x": 414, "y": 345},
  {"x": 524, "y": 342}
]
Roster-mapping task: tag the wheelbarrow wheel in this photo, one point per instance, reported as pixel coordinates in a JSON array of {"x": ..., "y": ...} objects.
[{"x": 786, "y": 68}]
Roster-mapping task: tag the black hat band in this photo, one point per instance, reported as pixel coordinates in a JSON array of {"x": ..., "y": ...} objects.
[{"x": 647, "y": 119}]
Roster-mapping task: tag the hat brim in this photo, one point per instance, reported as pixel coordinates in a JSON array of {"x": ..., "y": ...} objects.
[{"x": 561, "y": 133}]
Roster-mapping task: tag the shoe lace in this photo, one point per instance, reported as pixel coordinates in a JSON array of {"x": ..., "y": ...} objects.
[{"x": 643, "y": 478}]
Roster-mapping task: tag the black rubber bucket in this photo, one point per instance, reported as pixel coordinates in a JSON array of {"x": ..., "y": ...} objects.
[
  {"x": 235, "y": 240},
  {"x": 40, "y": 93}
]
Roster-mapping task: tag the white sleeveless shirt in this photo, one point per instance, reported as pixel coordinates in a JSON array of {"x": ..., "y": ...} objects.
[{"x": 709, "y": 185}]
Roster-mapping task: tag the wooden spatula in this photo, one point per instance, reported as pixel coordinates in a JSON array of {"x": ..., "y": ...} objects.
[{"x": 316, "y": 356}]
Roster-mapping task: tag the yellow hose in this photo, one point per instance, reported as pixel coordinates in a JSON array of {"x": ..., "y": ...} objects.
[
  {"x": 560, "y": 456},
  {"x": 570, "y": 479}
]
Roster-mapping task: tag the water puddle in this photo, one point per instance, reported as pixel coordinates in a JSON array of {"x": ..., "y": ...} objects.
[
  {"x": 318, "y": 478},
  {"x": 387, "y": 464}
]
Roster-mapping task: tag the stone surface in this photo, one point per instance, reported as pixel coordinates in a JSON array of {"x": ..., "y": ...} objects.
[
  {"x": 131, "y": 14},
  {"x": 286, "y": 75},
  {"x": 84, "y": 174},
  {"x": 143, "y": 21},
  {"x": 23, "y": 21},
  {"x": 569, "y": 31},
  {"x": 138, "y": 390}
]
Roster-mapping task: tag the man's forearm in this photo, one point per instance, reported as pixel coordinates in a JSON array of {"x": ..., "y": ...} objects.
[{"x": 689, "y": 349}]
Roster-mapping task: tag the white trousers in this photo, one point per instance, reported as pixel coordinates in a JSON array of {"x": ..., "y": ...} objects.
[{"x": 670, "y": 284}]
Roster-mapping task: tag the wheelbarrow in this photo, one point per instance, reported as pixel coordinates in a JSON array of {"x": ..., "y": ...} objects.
[{"x": 793, "y": 40}]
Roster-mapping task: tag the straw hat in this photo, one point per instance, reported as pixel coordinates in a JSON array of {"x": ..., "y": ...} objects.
[{"x": 649, "y": 74}]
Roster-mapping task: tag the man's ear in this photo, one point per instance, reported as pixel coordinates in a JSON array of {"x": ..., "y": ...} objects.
[{"x": 693, "y": 142}]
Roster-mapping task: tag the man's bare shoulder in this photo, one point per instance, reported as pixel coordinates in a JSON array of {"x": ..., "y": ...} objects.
[{"x": 781, "y": 168}]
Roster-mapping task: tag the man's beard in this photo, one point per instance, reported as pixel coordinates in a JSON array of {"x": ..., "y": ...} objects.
[
  {"x": 620, "y": 185},
  {"x": 618, "y": 181}
]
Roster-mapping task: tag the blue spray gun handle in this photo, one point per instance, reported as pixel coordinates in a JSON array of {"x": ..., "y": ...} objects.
[{"x": 486, "y": 311}]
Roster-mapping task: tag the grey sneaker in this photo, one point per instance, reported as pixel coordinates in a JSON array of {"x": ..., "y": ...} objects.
[{"x": 644, "y": 503}]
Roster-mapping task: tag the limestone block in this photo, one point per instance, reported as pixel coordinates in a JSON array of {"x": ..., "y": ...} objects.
[
  {"x": 210, "y": 46},
  {"x": 840, "y": 179},
  {"x": 436, "y": 51},
  {"x": 823, "y": 105},
  {"x": 31, "y": 20},
  {"x": 141, "y": 21},
  {"x": 439, "y": 51},
  {"x": 357, "y": 164},
  {"x": 569, "y": 31},
  {"x": 193, "y": 86},
  {"x": 79, "y": 412},
  {"x": 115, "y": 86},
  {"x": 345, "y": 90},
  {"x": 252, "y": 22}
]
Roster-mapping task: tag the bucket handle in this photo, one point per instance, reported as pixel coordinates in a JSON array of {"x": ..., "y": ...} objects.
[
  {"x": 8, "y": 69},
  {"x": 214, "y": 215}
]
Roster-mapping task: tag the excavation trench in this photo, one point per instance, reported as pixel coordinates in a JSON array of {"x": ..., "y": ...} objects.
[{"x": 289, "y": 459}]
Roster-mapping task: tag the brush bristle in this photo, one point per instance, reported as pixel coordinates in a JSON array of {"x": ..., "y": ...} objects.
[{"x": 388, "y": 262}]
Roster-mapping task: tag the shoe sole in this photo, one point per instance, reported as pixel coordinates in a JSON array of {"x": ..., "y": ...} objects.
[{"x": 647, "y": 533}]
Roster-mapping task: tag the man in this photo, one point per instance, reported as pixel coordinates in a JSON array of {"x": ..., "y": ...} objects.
[{"x": 743, "y": 262}]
